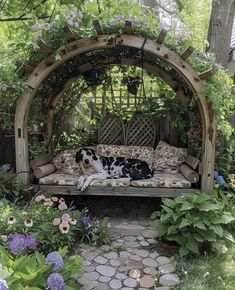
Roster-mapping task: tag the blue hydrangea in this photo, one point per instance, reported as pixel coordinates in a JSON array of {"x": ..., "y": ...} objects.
[
  {"x": 31, "y": 242},
  {"x": 56, "y": 282},
  {"x": 16, "y": 244},
  {"x": 3, "y": 285},
  {"x": 55, "y": 259}
]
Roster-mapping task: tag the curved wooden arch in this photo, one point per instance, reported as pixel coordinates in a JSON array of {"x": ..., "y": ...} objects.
[{"x": 75, "y": 48}]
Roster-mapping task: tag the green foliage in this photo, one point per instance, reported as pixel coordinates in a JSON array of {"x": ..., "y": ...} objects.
[
  {"x": 226, "y": 160},
  {"x": 52, "y": 226},
  {"x": 10, "y": 185},
  {"x": 36, "y": 148},
  {"x": 196, "y": 222},
  {"x": 25, "y": 271}
]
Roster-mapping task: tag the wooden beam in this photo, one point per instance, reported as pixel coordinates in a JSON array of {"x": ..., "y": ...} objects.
[
  {"x": 189, "y": 50},
  {"x": 161, "y": 36},
  {"x": 23, "y": 67},
  {"x": 208, "y": 73},
  {"x": 70, "y": 35},
  {"x": 128, "y": 27},
  {"x": 97, "y": 26},
  {"x": 44, "y": 46}
]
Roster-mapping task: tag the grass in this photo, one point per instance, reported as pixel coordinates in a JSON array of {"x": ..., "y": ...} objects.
[{"x": 209, "y": 272}]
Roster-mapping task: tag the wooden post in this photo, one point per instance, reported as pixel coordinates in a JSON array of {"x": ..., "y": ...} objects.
[
  {"x": 128, "y": 27},
  {"x": 97, "y": 27},
  {"x": 187, "y": 52},
  {"x": 44, "y": 46},
  {"x": 162, "y": 36},
  {"x": 208, "y": 73}
]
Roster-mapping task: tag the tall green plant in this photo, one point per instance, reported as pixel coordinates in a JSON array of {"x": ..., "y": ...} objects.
[
  {"x": 196, "y": 222},
  {"x": 10, "y": 185}
]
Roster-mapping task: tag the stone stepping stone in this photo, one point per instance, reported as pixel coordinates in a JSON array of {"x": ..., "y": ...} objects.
[
  {"x": 104, "y": 279},
  {"x": 111, "y": 255},
  {"x": 124, "y": 254},
  {"x": 123, "y": 268},
  {"x": 101, "y": 287},
  {"x": 130, "y": 238},
  {"x": 150, "y": 234},
  {"x": 86, "y": 263},
  {"x": 144, "y": 243},
  {"x": 100, "y": 260},
  {"x": 163, "y": 260},
  {"x": 147, "y": 281},
  {"x": 135, "y": 257},
  {"x": 142, "y": 253},
  {"x": 115, "y": 284},
  {"x": 134, "y": 264},
  {"x": 90, "y": 286},
  {"x": 132, "y": 244},
  {"x": 106, "y": 271},
  {"x": 166, "y": 268},
  {"x": 169, "y": 280},
  {"x": 149, "y": 262},
  {"x": 89, "y": 268},
  {"x": 115, "y": 262},
  {"x": 135, "y": 273},
  {"x": 140, "y": 238},
  {"x": 153, "y": 255},
  {"x": 128, "y": 226},
  {"x": 127, "y": 288},
  {"x": 150, "y": 271},
  {"x": 121, "y": 276},
  {"x": 151, "y": 241},
  {"x": 130, "y": 282},
  {"x": 162, "y": 288},
  {"x": 89, "y": 255},
  {"x": 92, "y": 276}
]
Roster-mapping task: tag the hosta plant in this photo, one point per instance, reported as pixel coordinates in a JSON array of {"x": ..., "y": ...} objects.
[
  {"x": 37, "y": 272},
  {"x": 196, "y": 222}
]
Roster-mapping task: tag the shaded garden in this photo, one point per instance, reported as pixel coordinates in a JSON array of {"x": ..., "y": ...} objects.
[{"x": 40, "y": 230}]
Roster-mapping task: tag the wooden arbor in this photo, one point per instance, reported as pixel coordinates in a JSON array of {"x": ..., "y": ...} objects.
[{"x": 124, "y": 49}]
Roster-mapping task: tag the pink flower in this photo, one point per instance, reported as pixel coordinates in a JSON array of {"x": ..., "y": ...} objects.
[
  {"x": 28, "y": 223},
  {"x": 65, "y": 217},
  {"x": 62, "y": 206},
  {"x": 72, "y": 221},
  {"x": 40, "y": 198},
  {"x": 48, "y": 203},
  {"x": 11, "y": 220},
  {"x": 56, "y": 221},
  {"x": 64, "y": 227},
  {"x": 61, "y": 200},
  {"x": 54, "y": 198}
]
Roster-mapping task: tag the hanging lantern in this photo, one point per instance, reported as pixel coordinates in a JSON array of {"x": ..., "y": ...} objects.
[
  {"x": 94, "y": 77},
  {"x": 132, "y": 84}
]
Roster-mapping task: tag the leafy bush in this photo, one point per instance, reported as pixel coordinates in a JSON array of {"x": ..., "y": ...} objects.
[
  {"x": 33, "y": 271},
  {"x": 10, "y": 185},
  {"x": 51, "y": 222},
  {"x": 195, "y": 222}
]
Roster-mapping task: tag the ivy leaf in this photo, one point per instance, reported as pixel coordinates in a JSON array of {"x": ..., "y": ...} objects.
[{"x": 183, "y": 251}]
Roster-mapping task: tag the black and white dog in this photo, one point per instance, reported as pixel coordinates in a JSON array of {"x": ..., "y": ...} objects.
[{"x": 101, "y": 167}]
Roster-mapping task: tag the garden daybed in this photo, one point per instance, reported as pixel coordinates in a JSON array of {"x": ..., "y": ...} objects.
[{"x": 172, "y": 172}]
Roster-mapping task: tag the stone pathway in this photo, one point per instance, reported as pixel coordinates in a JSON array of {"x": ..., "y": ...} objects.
[{"x": 130, "y": 262}]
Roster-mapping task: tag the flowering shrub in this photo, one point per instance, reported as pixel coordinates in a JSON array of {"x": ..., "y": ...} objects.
[
  {"x": 29, "y": 271},
  {"x": 51, "y": 222},
  {"x": 19, "y": 243}
]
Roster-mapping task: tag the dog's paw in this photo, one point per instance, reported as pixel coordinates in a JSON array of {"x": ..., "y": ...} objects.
[
  {"x": 80, "y": 183},
  {"x": 84, "y": 187}
]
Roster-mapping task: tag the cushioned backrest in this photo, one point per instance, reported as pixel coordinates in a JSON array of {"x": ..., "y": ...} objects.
[
  {"x": 65, "y": 161},
  {"x": 168, "y": 158},
  {"x": 144, "y": 153}
]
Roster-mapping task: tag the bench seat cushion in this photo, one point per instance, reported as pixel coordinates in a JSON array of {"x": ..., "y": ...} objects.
[
  {"x": 60, "y": 178},
  {"x": 163, "y": 180}
]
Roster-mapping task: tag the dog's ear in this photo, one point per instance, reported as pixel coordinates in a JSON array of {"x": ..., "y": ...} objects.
[
  {"x": 79, "y": 156},
  {"x": 94, "y": 157}
]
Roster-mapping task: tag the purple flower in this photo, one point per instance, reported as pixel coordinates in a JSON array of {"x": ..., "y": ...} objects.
[
  {"x": 55, "y": 259},
  {"x": 86, "y": 222},
  {"x": 31, "y": 242},
  {"x": 3, "y": 285},
  {"x": 55, "y": 282},
  {"x": 97, "y": 224},
  {"x": 16, "y": 244},
  {"x": 133, "y": 18}
]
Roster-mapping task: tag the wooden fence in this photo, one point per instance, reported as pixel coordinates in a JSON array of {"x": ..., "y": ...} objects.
[{"x": 7, "y": 148}]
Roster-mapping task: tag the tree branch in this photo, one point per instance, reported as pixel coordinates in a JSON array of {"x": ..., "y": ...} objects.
[{"x": 21, "y": 18}]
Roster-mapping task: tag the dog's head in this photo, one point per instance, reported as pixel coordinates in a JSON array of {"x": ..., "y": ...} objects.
[{"x": 86, "y": 156}]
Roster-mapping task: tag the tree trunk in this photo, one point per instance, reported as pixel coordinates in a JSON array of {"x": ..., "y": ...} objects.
[{"x": 220, "y": 29}]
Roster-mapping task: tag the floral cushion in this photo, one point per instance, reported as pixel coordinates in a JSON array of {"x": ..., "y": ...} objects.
[
  {"x": 168, "y": 158},
  {"x": 144, "y": 153},
  {"x": 65, "y": 161},
  {"x": 60, "y": 178},
  {"x": 120, "y": 182},
  {"x": 163, "y": 180}
]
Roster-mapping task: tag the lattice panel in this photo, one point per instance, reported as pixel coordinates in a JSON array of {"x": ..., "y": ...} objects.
[
  {"x": 111, "y": 131},
  {"x": 140, "y": 131}
]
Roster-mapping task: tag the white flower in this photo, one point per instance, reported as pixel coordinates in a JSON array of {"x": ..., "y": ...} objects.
[
  {"x": 72, "y": 221},
  {"x": 28, "y": 223},
  {"x": 54, "y": 198},
  {"x": 3, "y": 238},
  {"x": 11, "y": 220}
]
